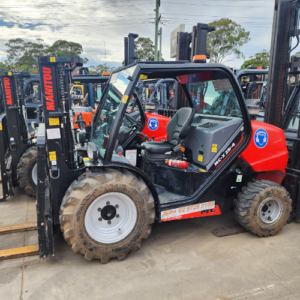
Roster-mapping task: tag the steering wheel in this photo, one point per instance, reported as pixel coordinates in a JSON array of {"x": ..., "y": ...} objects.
[{"x": 135, "y": 123}]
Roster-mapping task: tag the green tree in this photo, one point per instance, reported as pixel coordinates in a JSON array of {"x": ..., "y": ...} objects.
[
  {"x": 16, "y": 49},
  {"x": 64, "y": 48},
  {"x": 101, "y": 68},
  {"x": 144, "y": 49},
  {"x": 259, "y": 59},
  {"x": 226, "y": 40},
  {"x": 23, "y": 55}
]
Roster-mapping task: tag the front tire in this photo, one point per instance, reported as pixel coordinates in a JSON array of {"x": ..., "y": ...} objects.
[
  {"x": 107, "y": 214},
  {"x": 263, "y": 207},
  {"x": 27, "y": 171}
]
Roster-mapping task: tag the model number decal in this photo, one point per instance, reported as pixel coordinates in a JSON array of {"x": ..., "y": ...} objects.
[
  {"x": 186, "y": 211},
  {"x": 224, "y": 154}
]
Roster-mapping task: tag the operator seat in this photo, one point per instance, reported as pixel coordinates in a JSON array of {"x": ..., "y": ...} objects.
[{"x": 177, "y": 130}]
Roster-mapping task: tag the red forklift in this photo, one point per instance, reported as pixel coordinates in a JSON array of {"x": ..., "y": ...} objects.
[{"x": 212, "y": 160}]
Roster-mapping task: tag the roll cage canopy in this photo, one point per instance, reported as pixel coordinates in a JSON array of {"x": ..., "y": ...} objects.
[
  {"x": 166, "y": 70},
  {"x": 89, "y": 78},
  {"x": 249, "y": 72}
]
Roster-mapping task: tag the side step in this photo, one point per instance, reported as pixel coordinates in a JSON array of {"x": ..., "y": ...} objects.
[{"x": 21, "y": 251}]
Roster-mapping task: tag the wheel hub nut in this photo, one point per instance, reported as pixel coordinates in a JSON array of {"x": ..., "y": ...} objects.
[
  {"x": 117, "y": 206},
  {"x": 100, "y": 219},
  {"x": 109, "y": 222},
  {"x": 99, "y": 209},
  {"x": 117, "y": 216},
  {"x": 107, "y": 202}
]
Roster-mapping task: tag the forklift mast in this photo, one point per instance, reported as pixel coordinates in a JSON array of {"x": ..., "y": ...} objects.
[
  {"x": 15, "y": 121},
  {"x": 55, "y": 75},
  {"x": 57, "y": 159},
  {"x": 129, "y": 46},
  {"x": 285, "y": 27},
  {"x": 189, "y": 45}
]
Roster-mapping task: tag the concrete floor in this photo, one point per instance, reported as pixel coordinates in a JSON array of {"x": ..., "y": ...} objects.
[{"x": 180, "y": 260}]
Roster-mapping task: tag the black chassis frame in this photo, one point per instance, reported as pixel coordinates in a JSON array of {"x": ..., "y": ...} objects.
[
  {"x": 223, "y": 176},
  {"x": 13, "y": 126}
]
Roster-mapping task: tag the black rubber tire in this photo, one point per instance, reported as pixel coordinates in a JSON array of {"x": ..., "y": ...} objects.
[
  {"x": 247, "y": 204},
  {"x": 24, "y": 171},
  {"x": 83, "y": 192}
]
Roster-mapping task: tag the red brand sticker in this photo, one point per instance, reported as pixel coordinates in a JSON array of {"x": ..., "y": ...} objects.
[
  {"x": 7, "y": 91},
  {"x": 48, "y": 88}
]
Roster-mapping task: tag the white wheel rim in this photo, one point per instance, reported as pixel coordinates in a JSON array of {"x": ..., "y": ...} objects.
[
  {"x": 34, "y": 174},
  {"x": 116, "y": 229},
  {"x": 270, "y": 211}
]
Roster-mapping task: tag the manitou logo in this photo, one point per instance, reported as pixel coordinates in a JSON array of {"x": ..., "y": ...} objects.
[
  {"x": 7, "y": 91},
  {"x": 48, "y": 88}
]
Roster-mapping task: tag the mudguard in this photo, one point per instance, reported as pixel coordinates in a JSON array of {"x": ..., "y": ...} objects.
[{"x": 267, "y": 150}]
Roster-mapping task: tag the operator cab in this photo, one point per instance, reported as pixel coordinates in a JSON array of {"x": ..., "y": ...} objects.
[
  {"x": 253, "y": 83},
  {"x": 204, "y": 133}
]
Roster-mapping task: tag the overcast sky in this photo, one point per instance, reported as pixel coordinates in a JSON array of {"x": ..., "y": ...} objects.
[{"x": 101, "y": 25}]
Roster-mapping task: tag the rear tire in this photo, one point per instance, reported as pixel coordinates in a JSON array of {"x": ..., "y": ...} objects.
[
  {"x": 263, "y": 207},
  {"x": 112, "y": 195},
  {"x": 27, "y": 171}
]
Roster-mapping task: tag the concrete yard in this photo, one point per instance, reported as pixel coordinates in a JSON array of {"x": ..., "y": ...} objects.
[{"x": 180, "y": 260}]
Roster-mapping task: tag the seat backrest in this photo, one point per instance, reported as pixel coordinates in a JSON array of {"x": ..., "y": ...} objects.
[{"x": 179, "y": 126}]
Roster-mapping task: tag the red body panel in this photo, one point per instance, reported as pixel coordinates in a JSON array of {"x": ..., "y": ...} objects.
[
  {"x": 275, "y": 176},
  {"x": 273, "y": 156},
  {"x": 160, "y": 133}
]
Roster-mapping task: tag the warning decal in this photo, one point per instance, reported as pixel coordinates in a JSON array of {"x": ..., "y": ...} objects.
[
  {"x": 53, "y": 134},
  {"x": 192, "y": 211},
  {"x": 53, "y": 121}
]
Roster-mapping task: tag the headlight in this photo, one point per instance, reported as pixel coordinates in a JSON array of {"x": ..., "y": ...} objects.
[
  {"x": 292, "y": 79},
  {"x": 92, "y": 151}
]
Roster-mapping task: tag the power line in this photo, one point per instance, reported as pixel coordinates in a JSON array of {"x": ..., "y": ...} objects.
[
  {"x": 216, "y": 16},
  {"x": 197, "y": 4}
]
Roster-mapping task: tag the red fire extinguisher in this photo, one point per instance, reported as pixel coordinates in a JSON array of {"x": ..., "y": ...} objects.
[{"x": 177, "y": 163}]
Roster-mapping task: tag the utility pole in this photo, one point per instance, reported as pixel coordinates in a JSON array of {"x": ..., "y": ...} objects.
[
  {"x": 156, "y": 28},
  {"x": 160, "y": 39}
]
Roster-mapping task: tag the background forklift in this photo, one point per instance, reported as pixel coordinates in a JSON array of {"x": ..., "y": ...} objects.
[
  {"x": 17, "y": 150},
  {"x": 282, "y": 97},
  {"x": 253, "y": 83}
]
